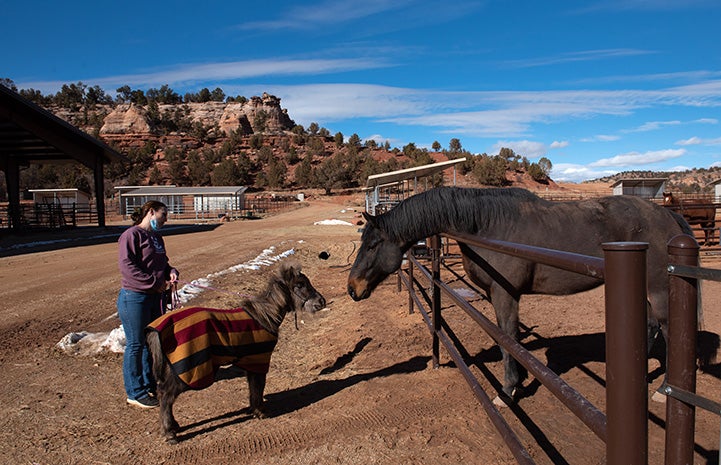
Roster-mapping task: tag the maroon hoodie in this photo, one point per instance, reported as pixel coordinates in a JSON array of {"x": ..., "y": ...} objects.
[{"x": 142, "y": 260}]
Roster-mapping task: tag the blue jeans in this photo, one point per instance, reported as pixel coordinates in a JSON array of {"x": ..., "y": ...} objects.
[{"x": 136, "y": 310}]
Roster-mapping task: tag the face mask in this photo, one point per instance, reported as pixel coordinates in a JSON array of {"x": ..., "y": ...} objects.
[{"x": 154, "y": 224}]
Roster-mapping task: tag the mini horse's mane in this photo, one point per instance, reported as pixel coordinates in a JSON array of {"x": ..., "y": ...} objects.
[
  {"x": 452, "y": 209},
  {"x": 269, "y": 307}
]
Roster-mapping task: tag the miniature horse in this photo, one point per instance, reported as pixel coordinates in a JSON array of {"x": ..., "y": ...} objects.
[
  {"x": 517, "y": 215},
  {"x": 189, "y": 345}
]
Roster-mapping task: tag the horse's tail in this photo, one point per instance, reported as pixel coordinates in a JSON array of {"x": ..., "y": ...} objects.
[{"x": 156, "y": 350}]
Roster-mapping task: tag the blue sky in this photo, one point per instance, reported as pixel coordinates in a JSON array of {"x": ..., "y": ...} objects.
[{"x": 597, "y": 87}]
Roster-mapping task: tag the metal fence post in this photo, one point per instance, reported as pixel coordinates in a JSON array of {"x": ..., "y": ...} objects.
[
  {"x": 436, "y": 296},
  {"x": 626, "y": 354},
  {"x": 410, "y": 287},
  {"x": 681, "y": 351}
]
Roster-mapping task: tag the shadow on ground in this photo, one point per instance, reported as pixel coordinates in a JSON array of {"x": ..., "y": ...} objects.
[{"x": 42, "y": 241}]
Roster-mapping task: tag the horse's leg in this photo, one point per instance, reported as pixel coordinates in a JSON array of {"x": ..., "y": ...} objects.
[
  {"x": 167, "y": 387},
  {"x": 708, "y": 232},
  {"x": 657, "y": 324},
  {"x": 506, "y": 308},
  {"x": 168, "y": 390},
  {"x": 256, "y": 386}
]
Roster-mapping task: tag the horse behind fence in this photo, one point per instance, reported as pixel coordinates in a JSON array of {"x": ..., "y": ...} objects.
[
  {"x": 517, "y": 215},
  {"x": 701, "y": 212}
]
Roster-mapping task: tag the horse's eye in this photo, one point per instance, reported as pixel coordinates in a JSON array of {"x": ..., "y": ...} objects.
[{"x": 373, "y": 244}]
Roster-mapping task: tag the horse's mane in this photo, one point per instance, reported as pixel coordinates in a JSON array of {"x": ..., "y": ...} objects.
[
  {"x": 269, "y": 307},
  {"x": 452, "y": 209}
]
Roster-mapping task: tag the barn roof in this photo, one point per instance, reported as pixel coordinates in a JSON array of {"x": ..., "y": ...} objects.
[
  {"x": 29, "y": 132},
  {"x": 172, "y": 190},
  {"x": 377, "y": 180},
  {"x": 636, "y": 182}
]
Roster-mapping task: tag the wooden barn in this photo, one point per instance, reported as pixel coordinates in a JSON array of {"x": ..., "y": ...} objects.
[{"x": 647, "y": 188}]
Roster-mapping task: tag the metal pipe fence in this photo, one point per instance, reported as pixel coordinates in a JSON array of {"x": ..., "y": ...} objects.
[{"x": 624, "y": 427}]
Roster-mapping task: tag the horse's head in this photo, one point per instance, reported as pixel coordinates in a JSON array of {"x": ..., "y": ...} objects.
[
  {"x": 377, "y": 258},
  {"x": 305, "y": 296},
  {"x": 668, "y": 198}
]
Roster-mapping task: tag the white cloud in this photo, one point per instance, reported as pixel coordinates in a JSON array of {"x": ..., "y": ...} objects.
[
  {"x": 637, "y": 159},
  {"x": 653, "y": 126},
  {"x": 389, "y": 15},
  {"x": 601, "y": 138},
  {"x": 524, "y": 148},
  {"x": 380, "y": 140},
  {"x": 570, "y": 172},
  {"x": 587, "y": 55},
  {"x": 691, "y": 141},
  {"x": 203, "y": 73},
  {"x": 559, "y": 144},
  {"x": 325, "y": 13},
  {"x": 698, "y": 141},
  {"x": 706, "y": 121},
  {"x": 679, "y": 168}
]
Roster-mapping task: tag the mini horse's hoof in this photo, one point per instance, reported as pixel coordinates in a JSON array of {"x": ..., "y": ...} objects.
[
  {"x": 172, "y": 441},
  {"x": 503, "y": 399},
  {"x": 260, "y": 414},
  {"x": 658, "y": 397}
]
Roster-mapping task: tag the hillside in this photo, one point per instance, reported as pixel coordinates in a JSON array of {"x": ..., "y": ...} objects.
[
  {"x": 255, "y": 142},
  {"x": 239, "y": 141}
]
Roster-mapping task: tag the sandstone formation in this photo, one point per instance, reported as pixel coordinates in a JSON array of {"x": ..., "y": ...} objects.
[
  {"x": 259, "y": 114},
  {"x": 126, "y": 119}
]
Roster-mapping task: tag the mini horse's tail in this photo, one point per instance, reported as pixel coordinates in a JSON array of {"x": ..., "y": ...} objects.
[{"x": 156, "y": 350}]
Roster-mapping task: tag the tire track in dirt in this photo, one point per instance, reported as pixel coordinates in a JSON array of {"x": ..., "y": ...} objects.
[{"x": 276, "y": 440}]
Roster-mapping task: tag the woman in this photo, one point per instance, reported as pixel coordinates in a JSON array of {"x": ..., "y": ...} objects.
[{"x": 145, "y": 273}]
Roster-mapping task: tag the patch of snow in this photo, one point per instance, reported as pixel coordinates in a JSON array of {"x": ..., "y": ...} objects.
[
  {"x": 85, "y": 343},
  {"x": 332, "y": 222}
]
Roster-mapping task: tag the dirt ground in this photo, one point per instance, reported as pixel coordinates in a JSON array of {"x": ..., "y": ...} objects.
[{"x": 353, "y": 385}]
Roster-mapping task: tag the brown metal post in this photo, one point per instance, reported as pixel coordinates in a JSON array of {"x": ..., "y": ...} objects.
[
  {"x": 626, "y": 357},
  {"x": 99, "y": 189},
  {"x": 681, "y": 350},
  {"x": 399, "y": 281},
  {"x": 410, "y": 287},
  {"x": 436, "y": 296}
]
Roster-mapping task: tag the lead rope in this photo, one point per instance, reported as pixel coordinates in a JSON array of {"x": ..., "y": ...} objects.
[{"x": 174, "y": 296}]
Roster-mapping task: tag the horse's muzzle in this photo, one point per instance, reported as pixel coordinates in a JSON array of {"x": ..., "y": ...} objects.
[
  {"x": 314, "y": 304},
  {"x": 355, "y": 295}
]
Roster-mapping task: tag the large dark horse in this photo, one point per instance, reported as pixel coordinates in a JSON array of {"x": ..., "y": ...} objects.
[
  {"x": 517, "y": 215},
  {"x": 190, "y": 345},
  {"x": 695, "y": 211}
]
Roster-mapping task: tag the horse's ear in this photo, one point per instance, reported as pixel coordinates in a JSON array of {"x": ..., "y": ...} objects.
[
  {"x": 289, "y": 271},
  {"x": 369, "y": 218}
]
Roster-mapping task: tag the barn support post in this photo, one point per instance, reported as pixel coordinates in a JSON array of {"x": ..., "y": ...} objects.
[
  {"x": 12, "y": 176},
  {"x": 99, "y": 189},
  {"x": 626, "y": 353},
  {"x": 681, "y": 350},
  {"x": 436, "y": 296}
]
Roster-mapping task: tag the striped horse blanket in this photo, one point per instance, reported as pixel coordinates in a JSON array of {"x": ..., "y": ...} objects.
[{"x": 198, "y": 341}]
